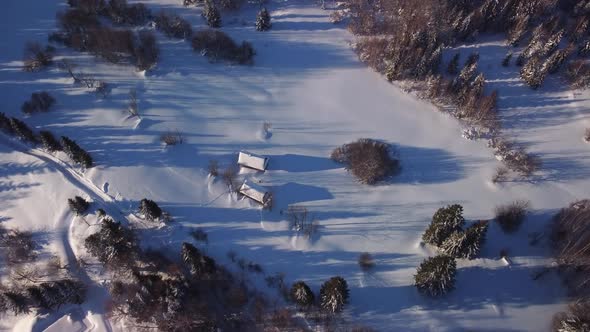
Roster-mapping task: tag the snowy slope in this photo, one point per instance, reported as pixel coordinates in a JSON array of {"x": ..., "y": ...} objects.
[{"x": 309, "y": 84}]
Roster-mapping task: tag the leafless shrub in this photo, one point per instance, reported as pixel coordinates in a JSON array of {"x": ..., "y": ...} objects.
[
  {"x": 576, "y": 320},
  {"x": 337, "y": 16},
  {"x": 171, "y": 138},
  {"x": 301, "y": 221},
  {"x": 17, "y": 247},
  {"x": 213, "y": 167},
  {"x": 230, "y": 177},
  {"x": 570, "y": 238},
  {"x": 501, "y": 174},
  {"x": 39, "y": 102},
  {"x": 511, "y": 216},
  {"x": 36, "y": 57},
  {"x": 514, "y": 157},
  {"x": 366, "y": 261},
  {"x": 132, "y": 104},
  {"x": 369, "y": 160}
]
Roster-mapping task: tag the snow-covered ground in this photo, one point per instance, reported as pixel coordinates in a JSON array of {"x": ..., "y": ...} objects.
[{"x": 308, "y": 83}]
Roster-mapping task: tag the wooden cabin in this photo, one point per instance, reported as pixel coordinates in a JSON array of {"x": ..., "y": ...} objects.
[
  {"x": 255, "y": 192},
  {"x": 250, "y": 160}
]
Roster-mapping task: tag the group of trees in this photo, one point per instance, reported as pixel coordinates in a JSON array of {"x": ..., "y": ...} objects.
[
  {"x": 212, "y": 15},
  {"x": 411, "y": 33},
  {"x": 436, "y": 275},
  {"x": 75, "y": 152},
  {"x": 81, "y": 29},
  {"x": 334, "y": 294},
  {"x": 370, "y": 161},
  {"x": 446, "y": 232},
  {"x": 218, "y": 46}
]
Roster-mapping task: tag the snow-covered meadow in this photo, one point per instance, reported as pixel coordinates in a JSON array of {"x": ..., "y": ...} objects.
[{"x": 309, "y": 85}]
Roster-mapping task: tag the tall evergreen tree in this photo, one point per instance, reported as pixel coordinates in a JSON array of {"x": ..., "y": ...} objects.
[
  {"x": 444, "y": 222},
  {"x": 301, "y": 294},
  {"x": 334, "y": 294},
  {"x": 263, "y": 20},
  {"x": 436, "y": 275},
  {"x": 211, "y": 14}
]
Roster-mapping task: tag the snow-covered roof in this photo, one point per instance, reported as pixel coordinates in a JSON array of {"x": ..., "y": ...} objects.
[
  {"x": 251, "y": 160},
  {"x": 254, "y": 191}
]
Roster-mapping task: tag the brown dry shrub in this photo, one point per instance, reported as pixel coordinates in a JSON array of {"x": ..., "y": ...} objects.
[{"x": 370, "y": 161}]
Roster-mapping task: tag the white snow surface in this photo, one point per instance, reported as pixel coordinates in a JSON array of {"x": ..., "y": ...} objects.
[{"x": 309, "y": 84}]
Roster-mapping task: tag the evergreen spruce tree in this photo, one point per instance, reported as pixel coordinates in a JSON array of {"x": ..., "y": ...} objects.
[
  {"x": 334, "y": 294},
  {"x": 78, "y": 205},
  {"x": 301, "y": 294},
  {"x": 21, "y": 130},
  {"x": 211, "y": 14},
  {"x": 5, "y": 124},
  {"x": 444, "y": 222},
  {"x": 532, "y": 73},
  {"x": 436, "y": 275},
  {"x": 198, "y": 264},
  {"x": 150, "y": 209},
  {"x": 453, "y": 68},
  {"x": 75, "y": 152},
  {"x": 49, "y": 142},
  {"x": 263, "y": 20}
]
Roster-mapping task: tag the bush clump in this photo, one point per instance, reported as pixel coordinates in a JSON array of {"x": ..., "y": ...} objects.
[
  {"x": 146, "y": 51},
  {"x": 37, "y": 57},
  {"x": 445, "y": 222},
  {"x": 366, "y": 261},
  {"x": 217, "y": 45},
  {"x": 334, "y": 294},
  {"x": 511, "y": 216},
  {"x": 301, "y": 294},
  {"x": 78, "y": 205},
  {"x": 40, "y": 102},
  {"x": 75, "y": 152},
  {"x": 52, "y": 295},
  {"x": 150, "y": 209},
  {"x": 369, "y": 160},
  {"x": 436, "y": 275}
]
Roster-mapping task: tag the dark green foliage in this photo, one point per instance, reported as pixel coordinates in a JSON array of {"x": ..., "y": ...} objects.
[
  {"x": 150, "y": 209},
  {"x": 217, "y": 45},
  {"x": 22, "y": 131},
  {"x": 113, "y": 245},
  {"x": 301, "y": 294},
  {"x": 49, "y": 142},
  {"x": 370, "y": 161},
  {"x": 5, "y": 125},
  {"x": 445, "y": 222},
  {"x": 263, "y": 20},
  {"x": 78, "y": 205},
  {"x": 334, "y": 294},
  {"x": 40, "y": 102},
  {"x": 453, "y": 68},
  {"x": 75, "y": 152},
  {"x": 436, "y": 275},
  {"x": 211, "y": 14},
  {"x": 52, "y": 295},
  {"x": 199, "y": 265},
  {"x": 511, "y": 216}
]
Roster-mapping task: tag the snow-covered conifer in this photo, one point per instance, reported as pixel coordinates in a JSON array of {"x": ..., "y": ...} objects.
[
  {"x": 334, "y": 294},
  {"x": 263, "y": 20},
  {"x": 301, "y": 294},
  {"x": 78, "y": 205},
  {"x": 436, "y": 275},
  {"x": 444, "y": 222},
  {"x": 150, "y": 209},
  {"x": 211, "y": 14}
]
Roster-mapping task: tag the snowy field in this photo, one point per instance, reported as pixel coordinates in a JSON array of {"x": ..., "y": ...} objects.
[{"x": 308, "y": 83}]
